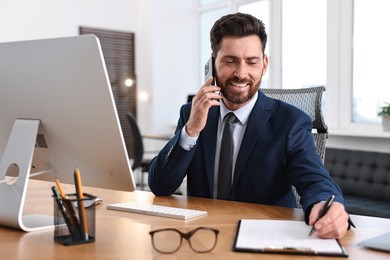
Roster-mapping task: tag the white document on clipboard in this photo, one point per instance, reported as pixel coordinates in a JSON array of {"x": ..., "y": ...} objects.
[{"x": 283, "y": 236}]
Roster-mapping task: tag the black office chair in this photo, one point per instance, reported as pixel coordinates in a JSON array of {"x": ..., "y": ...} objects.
[
  {"x": 138, "y": 161},
  {"x": 309, "y": 100}
]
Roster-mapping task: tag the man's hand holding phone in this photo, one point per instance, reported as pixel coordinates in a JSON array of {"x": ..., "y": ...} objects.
[{"x": 206, "y": 97}]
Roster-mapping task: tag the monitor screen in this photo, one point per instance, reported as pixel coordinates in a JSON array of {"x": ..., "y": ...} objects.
[{"x": 64, "y": 84}]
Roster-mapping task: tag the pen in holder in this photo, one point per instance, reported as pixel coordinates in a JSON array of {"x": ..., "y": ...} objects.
[{"x": 69, "y": 228}]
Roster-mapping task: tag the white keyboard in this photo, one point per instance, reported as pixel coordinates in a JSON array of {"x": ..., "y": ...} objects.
[{"x": 157, "y": 210}]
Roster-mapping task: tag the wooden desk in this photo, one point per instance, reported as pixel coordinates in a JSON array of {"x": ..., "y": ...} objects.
[{"x": 122, "y": 235}]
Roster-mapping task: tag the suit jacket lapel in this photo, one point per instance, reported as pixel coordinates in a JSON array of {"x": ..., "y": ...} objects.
[{"x": 256, "y": 122}]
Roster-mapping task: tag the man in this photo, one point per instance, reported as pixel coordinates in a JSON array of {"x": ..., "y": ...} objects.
[{"x": 273, "y": 144}]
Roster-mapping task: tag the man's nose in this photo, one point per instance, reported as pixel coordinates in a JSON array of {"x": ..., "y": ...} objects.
[{"x": 241, "y": 71}]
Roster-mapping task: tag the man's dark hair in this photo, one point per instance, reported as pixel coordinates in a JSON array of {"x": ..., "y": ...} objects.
[{"x": 236, "y": 25}]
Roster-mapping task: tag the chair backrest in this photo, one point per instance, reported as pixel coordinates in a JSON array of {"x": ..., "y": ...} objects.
[
  {"x": 309, "y": 100},
  {"x": 137, "y": 142}
]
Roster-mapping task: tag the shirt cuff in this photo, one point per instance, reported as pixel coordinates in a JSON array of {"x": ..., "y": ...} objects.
[{"x": 187, "y": 142}]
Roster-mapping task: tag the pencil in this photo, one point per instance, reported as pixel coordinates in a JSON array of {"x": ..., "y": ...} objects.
[
  {"x": 80, "y": 201},
  {"x": 62, "y": 208},
  {"x": 68, "y": 207}
]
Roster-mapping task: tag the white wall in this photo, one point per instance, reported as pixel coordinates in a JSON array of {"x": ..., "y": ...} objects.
[
  {"x": 24, "y": 19},
  {"x": 360, "y": 143},
  {"x": 363, "y": 141},
  {"x": 167, "y": 61},
  {"x": 166, "y": 34}
]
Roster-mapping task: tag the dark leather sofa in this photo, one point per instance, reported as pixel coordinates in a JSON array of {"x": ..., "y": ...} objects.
[{"x": 364, "y": 178}]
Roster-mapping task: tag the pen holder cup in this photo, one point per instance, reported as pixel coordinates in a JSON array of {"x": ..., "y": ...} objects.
[{"x": 70, "y": 220}]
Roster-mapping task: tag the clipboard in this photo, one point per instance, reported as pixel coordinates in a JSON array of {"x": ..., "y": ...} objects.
[{"x": 283, "y": 237}]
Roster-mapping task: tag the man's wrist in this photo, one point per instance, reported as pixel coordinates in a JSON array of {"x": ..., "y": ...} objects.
[{"x": 190, "y": 133}]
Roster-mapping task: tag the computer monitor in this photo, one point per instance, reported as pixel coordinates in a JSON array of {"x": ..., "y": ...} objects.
[{"x": 57, "y": 90}]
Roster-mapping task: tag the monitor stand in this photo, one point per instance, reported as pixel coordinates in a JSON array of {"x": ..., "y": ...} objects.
[{"x": 19, "y": 151}]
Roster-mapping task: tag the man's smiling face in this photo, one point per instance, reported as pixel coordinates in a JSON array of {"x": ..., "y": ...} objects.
[{"x": 240, "y": 65}]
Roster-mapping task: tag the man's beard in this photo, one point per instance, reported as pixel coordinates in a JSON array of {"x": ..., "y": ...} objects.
[{"x": 235, "y": 97}]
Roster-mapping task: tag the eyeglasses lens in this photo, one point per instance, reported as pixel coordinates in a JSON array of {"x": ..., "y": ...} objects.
[
  {"x": 167, "y": 241},
  {"x": 203, "y": 240}
]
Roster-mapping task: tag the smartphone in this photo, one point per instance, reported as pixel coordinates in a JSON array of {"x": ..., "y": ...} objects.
[{"x": 209, "y": 71}]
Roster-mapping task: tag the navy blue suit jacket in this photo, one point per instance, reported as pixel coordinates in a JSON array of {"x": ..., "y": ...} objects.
[{"x": 277, "y": 151}]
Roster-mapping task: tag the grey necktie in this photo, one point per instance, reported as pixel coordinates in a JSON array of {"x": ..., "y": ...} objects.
[{"x": 226, "y": 158}]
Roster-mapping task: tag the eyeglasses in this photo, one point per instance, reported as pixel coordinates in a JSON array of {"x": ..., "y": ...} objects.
[{"x": 167, "y": 241}]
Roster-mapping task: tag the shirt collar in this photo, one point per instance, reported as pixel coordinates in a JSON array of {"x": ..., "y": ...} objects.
[{"x": 242, "y": 113}]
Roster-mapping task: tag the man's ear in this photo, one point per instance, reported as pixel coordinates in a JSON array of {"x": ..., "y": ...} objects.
[{"x": 265, "y": 64}]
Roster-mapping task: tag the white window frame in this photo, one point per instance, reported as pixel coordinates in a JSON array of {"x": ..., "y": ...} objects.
[
  {"x": 338, "y": 109},
  {"x": 339, "y": 74}
]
